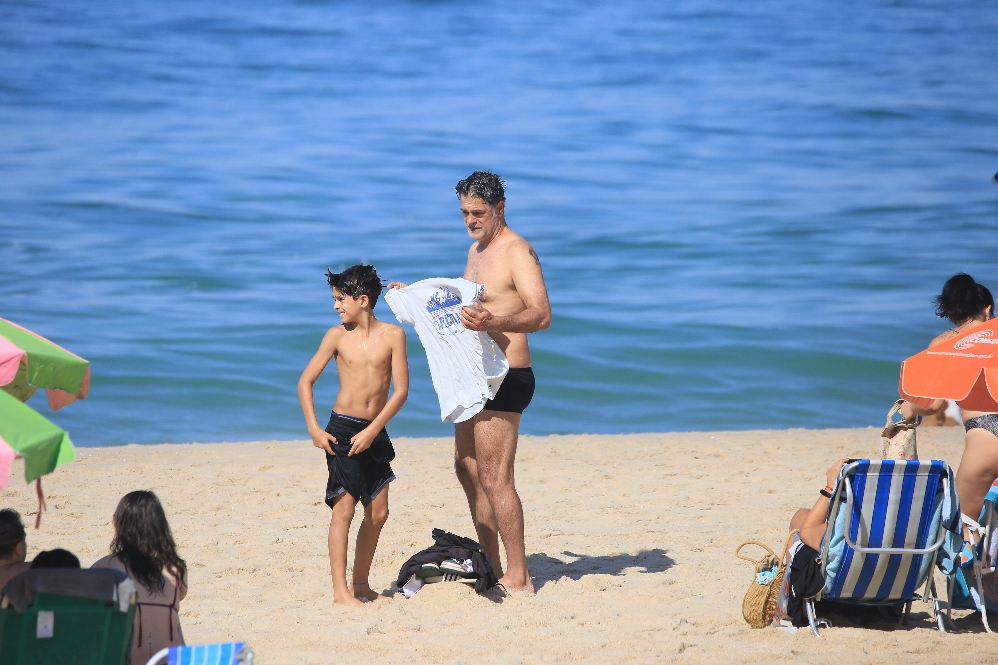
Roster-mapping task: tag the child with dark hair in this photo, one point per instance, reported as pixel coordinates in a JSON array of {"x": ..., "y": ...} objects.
[
  {"x": 57, "y": 558},
  {"x": 143, "y": 547},
  {"x": 370, "y": 358},
  {"x": 13, "y": 545}
]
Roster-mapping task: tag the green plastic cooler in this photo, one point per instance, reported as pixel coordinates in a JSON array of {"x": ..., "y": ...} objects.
[{"x": 61, "y": 616}]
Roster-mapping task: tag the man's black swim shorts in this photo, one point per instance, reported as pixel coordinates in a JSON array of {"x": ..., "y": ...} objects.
[{"x": 515, "y": 393}]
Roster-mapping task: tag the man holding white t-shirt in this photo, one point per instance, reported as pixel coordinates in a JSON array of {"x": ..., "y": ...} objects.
[{"x": 513, "y": 303}]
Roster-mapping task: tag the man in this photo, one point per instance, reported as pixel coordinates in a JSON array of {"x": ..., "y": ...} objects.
[
  {"x": 513, "y": 303},
  {"x": 13, "y": 546}
]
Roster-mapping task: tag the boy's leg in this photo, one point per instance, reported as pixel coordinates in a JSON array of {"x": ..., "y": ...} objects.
[
  {"x": 339, "y": 530},
  {"x": 375, "y": 516}
]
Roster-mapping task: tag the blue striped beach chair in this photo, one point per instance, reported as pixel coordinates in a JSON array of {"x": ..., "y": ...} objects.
[
  {"x": 889, "y": 523},
  {"x": 228, "y": 653}
]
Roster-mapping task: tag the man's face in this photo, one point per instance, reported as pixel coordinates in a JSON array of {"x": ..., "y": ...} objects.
[
  {"x": 482, "y": 220},
  {"x": 348, "y": 307}
]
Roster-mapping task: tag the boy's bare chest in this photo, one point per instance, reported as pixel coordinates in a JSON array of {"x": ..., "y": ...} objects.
[{"x": 364, "y": 353}]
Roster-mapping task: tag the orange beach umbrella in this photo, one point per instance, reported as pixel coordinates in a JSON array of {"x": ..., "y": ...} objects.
[{"x": 964, "y": 368}]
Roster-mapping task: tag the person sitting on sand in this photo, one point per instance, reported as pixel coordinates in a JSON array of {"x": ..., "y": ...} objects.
[
  {"x": 143, "y": 547},
  {"x": 811, "y": 521},
  {"x": 13, "y": 546},
  {"x": 966, "y": 304},
  {"x": 370, "y": 357}
]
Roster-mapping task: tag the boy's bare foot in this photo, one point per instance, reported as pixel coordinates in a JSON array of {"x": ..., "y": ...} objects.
[
  {"x": 519, "y": 584},
  {"x": 363, "y": 591},
  {"x": 347, "y": 600}
]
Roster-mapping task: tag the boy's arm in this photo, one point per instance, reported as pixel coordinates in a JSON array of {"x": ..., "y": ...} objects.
[
  {"x": 400, "y": 382},
  {"x": 327, "y": 349}
]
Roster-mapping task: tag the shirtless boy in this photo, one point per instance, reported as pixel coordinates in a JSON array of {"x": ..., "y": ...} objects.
[
  {"x": 370, "y": 357},
  {"x": 513, "y": 304}
]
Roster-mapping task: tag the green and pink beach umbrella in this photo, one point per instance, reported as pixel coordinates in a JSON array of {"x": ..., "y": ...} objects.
[{"x": 29, "y": 362}]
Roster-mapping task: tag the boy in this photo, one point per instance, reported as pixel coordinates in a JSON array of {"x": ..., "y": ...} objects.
[{"x": 370, "y": 356}]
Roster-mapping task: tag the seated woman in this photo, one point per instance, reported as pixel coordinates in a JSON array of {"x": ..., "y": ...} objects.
[
  {"x": 811, "y": 521},
  {"x": 143, "y": 547},
  {"x": 967, "y": 304}
]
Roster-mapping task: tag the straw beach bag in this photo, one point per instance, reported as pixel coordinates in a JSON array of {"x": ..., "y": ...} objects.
[
  {"x": 759, "y": 604},
  {"x": 897, "y": 441}
]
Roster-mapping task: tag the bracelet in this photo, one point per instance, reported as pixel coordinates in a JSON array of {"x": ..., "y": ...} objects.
[{"x": 826, "y": 492}]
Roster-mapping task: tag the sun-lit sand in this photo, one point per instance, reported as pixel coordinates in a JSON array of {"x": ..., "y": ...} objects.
[{"x": 630, "y": 541}]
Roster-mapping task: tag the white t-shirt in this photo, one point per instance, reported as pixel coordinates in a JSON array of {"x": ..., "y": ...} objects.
[{"x": 467, "y": 366}]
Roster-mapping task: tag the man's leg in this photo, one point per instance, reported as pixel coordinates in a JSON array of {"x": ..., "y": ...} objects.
[
  {"x": 375, "y": 516},
  {"x": 495, "y": 451},
  {"x": 466, "y": 466},
  {"x": 339, "y": 529}
]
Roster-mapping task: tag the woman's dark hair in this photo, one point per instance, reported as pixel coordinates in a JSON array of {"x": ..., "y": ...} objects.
[
  {"x": 357, "y": 281},
  {"x": 962, "y": 299},
  {"x": 484, "y": 185},
  {"x": 143, "y": 541}
]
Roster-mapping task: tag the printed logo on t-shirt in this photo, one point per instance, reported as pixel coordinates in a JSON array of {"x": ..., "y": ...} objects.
[{"x": 444, "y": 306}]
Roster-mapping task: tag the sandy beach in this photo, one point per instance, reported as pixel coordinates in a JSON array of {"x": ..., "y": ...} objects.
[{"x": 630, "y": 541}]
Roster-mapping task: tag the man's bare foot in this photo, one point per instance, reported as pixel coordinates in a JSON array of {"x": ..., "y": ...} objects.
[
  {"x": 363, "y": 591},
  {"x": 516, "y": 584}
]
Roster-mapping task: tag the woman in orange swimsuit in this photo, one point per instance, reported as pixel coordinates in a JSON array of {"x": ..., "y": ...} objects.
[{"x": 143, "y": 547}]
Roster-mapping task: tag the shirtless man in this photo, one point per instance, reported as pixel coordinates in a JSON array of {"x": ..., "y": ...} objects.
[{"x": 513, "y": 303}]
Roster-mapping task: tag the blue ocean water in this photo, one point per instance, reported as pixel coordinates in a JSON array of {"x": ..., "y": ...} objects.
[{"x": 743, "y": 210}]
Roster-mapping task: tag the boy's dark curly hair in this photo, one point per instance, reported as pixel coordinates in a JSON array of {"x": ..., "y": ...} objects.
[
  {"x": 484, "y": 185},
  {"x": 357, "y": 281},
  {"x": 962, "y": 298}
]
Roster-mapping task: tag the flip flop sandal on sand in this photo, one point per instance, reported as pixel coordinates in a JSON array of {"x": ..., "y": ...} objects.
[
  {"x": 433, "y": 580},
  {"x": 454, "y": 577},
  {"x": 428, "y": 570}
]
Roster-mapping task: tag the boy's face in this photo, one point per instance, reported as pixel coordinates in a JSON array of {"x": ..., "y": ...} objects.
[{"x": 348, "y": 307}]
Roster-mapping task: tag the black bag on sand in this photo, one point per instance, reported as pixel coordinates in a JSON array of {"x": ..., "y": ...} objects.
[
  {"x": 806, "y": 581},
  {"x": 450, "y": 546}
]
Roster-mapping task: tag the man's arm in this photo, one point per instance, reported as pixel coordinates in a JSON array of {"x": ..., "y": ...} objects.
[
  {"x": 400, "y": 392},
  {"x": 529, "y": 282},
  {"x": 327, "y": 349}
]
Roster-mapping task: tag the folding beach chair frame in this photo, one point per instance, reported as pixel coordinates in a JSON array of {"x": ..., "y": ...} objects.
[
  {"x": 929, "y": 595},
  {"x": 983, "y": 563}
]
